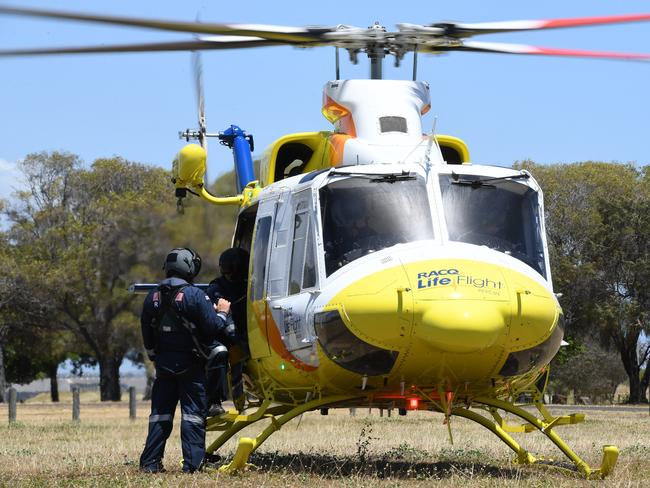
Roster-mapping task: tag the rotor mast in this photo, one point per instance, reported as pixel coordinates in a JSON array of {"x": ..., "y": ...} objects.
[{"x": 377, "y": 52}]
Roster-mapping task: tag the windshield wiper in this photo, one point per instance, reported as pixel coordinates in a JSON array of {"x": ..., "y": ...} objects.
[
  {"x": 378, "y": 178},
  {"x": 392, "y": 178},
  {"x": 485, "y": 182}
]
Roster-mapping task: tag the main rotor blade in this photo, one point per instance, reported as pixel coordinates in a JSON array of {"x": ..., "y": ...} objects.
[
  {"x": 197, "y": 70},
  {"x": 225, "y": 42},
  {"x": 471, "y": 29},
  {"x": 271, "y": 32},
  {"x": 496, "y": 47}
]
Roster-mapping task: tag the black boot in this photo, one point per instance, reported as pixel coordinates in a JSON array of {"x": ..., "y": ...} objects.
[{"x": 216, "y": 409}]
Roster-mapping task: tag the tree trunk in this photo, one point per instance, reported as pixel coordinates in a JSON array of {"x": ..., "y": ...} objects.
[
  {"x": 630, "y": 360},
  {"x": 3, "y": 377},
  {"x": 645, "y": 381},
  {"x": 635, "y": 388},
  {"x": 109, "y": 378},
  {"x": 54, "y": 384}
]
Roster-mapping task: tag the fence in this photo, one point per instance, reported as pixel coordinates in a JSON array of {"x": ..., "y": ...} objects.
[{"x": 76, "y": 404}]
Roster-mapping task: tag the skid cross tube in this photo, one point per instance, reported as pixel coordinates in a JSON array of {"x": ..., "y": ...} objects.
[
  {"x": 610, "y": 453},
  {"x": 240, "y": 422},
  {"x": 523, "y": 456}
]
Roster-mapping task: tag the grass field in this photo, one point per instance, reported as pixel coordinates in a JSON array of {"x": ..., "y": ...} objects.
[{"x": 45, "y": 448}]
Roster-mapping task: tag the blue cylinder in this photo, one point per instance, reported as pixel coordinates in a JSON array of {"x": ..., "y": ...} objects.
[{"x": 238, "y": 140}]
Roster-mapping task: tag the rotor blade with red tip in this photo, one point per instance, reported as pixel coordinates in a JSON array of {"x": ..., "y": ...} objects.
[
  {"x": 225, "y": 42},
  {"x": 271, "y": 32},
  {"x": 504, "y": 48},
  {"x": 471, "y": 29}
]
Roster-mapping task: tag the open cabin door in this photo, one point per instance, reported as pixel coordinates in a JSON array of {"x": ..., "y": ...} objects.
[{"x": 258, "y": 308}]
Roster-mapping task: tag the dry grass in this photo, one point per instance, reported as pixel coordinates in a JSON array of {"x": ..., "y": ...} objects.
[{"x": 44, "y": 448}]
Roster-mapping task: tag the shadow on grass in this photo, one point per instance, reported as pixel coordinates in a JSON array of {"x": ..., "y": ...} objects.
[{"x": 331, "y": 466}]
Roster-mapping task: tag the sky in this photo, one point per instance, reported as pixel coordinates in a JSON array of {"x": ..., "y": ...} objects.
[{"x": 506, "y": 108}]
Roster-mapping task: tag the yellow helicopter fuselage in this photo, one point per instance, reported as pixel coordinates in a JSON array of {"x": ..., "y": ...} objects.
[{"x": 407, "y": 320}]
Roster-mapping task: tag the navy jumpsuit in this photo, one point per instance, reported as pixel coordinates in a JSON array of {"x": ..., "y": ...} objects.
[
  {"x": 235, "y": 293},
  {"x": 180, "y": 372}
]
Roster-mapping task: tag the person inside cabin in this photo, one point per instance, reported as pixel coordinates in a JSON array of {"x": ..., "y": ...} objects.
[
  {"x": 231, "y": 286},
  {"x": 353, "y": 237}
]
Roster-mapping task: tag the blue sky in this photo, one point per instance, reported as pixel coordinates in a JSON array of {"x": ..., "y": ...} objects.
[{"x": 507, "y": 108}]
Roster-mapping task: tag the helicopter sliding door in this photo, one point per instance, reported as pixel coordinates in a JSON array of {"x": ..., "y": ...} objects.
[
  {"x": 293, "y": 279},
  {"x": 258, "y": 309}
]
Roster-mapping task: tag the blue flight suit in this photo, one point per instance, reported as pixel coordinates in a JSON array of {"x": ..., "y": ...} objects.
[
  {"x": 235, "y": 293},
  {"x": 180, "y": 372}
]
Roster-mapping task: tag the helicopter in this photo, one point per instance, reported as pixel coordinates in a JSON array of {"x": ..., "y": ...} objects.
[{"x": 386, "y": 269}]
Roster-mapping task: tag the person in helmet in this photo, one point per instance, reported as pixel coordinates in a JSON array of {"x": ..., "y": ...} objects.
[
  {"x": 231, "y": 285},
  {"x": 177, "y": 320},
  {"x": 349, "y": 236}
]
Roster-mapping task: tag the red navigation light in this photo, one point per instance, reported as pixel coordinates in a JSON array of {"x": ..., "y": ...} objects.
[{"x": 413, "y": 403}]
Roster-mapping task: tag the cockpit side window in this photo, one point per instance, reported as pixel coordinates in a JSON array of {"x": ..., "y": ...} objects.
[{"x": 302, "y": 272}]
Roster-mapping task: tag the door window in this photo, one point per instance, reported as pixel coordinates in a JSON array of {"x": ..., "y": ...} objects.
[
  {"x": 302, "y": 272},
  {"x": 260, "y": 253}
]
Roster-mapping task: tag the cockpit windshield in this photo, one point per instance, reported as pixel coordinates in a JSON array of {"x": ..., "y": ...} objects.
[
  {"x": 366, "y": 213},
  {"x": 499, "y": 213}
]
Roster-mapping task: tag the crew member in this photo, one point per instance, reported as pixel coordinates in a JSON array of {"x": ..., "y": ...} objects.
[
  {"x": 231, "y": 286},
  {"x": 178, "y": 320}
]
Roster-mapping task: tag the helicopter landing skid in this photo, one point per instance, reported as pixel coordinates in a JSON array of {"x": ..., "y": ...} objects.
[
  {"x": 544, "y": 425},
  {"x": 232, "y": 422}
]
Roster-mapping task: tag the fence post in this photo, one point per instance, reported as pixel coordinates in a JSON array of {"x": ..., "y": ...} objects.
[
  {"x": 132, "y": 402},
  {"x": 12, "y": 405},
  {"x": 75, "y": 403}
]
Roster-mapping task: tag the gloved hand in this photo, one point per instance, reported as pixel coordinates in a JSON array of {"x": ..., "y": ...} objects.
[{"x": 230, "y": 332}]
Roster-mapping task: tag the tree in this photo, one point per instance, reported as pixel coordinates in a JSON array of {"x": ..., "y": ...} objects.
[
  {"x": 598, "y": 227},
  {"x": 83, "y": 233}
]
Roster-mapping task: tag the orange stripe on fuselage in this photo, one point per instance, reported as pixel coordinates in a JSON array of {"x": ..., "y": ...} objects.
[{"x": 272, "y": 335}]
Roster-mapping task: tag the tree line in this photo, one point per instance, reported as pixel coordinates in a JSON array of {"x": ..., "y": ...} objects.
[{"x": 78, "y": 236}]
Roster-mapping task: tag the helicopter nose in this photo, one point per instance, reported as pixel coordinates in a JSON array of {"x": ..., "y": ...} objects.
[{"x": 460, "y": 326}]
